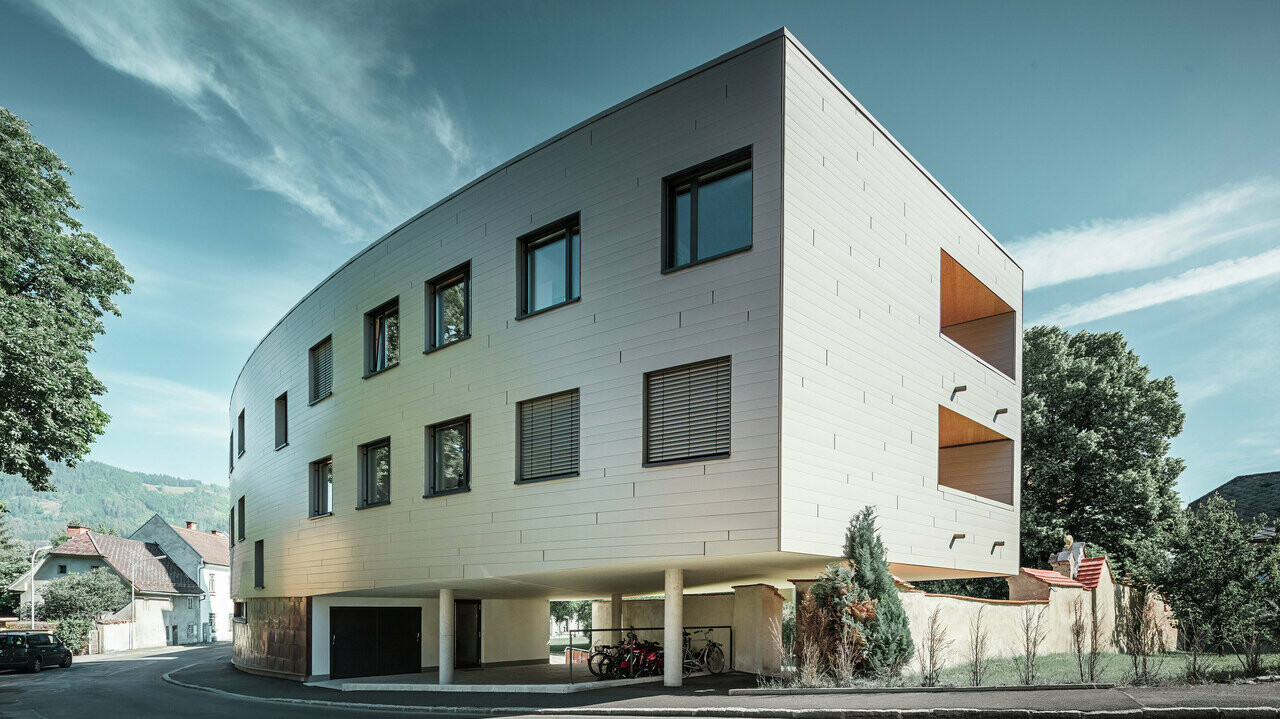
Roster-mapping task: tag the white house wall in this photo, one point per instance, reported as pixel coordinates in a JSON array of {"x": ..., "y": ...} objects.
[{"x": 864, "y": 366}]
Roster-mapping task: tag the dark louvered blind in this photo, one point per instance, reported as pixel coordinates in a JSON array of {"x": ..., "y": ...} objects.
[
  {"x": 687, "y": 412},
  {"x": 322, "y": 370},
  {"x": 549, "y": 436}
]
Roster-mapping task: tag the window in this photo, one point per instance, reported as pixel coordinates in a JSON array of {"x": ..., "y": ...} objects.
[
  {"x": 549, "y": 266},
  {"x": 258, "y": 570},
  {"x": 213, "y": 620},
  {"x": 240, "y": 517},
  {"x": 321, "y": 472},
  {"x": 167, "y": 639},
  {"x": 62, "y": 569},
  {"x": 375, "y": 473},
  {"x": 548, "y": 430},
  {"x": 977, "y": 319},
  {"x": 382, "y": 338},
  {"x": 320, "y": 361},
  {"x": 231, "y": 526},
  {"x": 211, "y": 586},
  {"x": 687, "y": 412},
  {"x": 231, "y": 452},
  {"x": 92, "y": 567},
  {"x": 282, "y": 420},
  {"x": 239, "y": 612},
  {"x": 707, "y": 211},
  {"x": 974, "y": 458},
  {"x": 449, "y": 308},
  {"x": 188, "y": 602},
  {"x": 240, "y": 434},
  {"x": 191, "y": 630},
  {"x": 449, "y": 463}
]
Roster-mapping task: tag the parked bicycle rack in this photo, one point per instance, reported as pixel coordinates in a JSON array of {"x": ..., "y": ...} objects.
[{"x": 622, "y": 632}]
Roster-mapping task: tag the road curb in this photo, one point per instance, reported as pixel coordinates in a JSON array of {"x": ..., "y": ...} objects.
[
  {"x": 765, "y": 713},
  {"x": 797, "y": 691}
]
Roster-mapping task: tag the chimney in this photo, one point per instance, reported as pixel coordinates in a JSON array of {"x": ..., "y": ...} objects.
[
  {"x": 1067, "y": 562},
  {"x": 75, "y": 529},
  {"x": 217, "y": 532},
  {"x": 191, "y": 526}
]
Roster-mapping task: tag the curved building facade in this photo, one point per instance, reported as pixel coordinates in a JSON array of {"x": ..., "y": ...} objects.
[{"x": 673, "y": 348}]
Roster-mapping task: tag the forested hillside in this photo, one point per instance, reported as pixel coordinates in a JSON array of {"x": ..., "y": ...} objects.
[{"x": 93, "y": 493}]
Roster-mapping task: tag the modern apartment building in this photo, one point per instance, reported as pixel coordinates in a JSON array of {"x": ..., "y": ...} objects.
[{"x": 673, "y": 348}]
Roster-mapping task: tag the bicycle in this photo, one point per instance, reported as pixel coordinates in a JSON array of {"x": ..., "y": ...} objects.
[{"x": 710, "y": 657}]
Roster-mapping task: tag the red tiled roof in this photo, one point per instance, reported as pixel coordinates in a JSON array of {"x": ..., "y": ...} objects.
[
  {"x": 135, "y": 561},
  {"x": 1050, "y": 577},
  {"x": 904, "y": 584},
  {"x": 212, "y": 548},
  {"x": 1089, "y": 573}
]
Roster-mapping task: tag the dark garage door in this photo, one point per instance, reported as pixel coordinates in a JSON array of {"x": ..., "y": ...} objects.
[{"x": 368, "y": 641}]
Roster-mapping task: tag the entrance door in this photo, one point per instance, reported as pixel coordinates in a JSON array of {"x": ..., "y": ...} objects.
[
  {"x": 467, "y": 627},
  {"x": 371, "y": 641}
]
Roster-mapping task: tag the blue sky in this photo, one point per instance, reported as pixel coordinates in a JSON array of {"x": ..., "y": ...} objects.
[{"x": 235, "y": 153}]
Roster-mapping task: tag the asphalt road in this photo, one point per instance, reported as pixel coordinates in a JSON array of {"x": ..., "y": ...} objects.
[{"x": 130, "y": 687}]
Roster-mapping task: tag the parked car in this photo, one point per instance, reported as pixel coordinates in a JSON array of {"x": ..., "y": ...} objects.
[{"x": 32, "y": 651}]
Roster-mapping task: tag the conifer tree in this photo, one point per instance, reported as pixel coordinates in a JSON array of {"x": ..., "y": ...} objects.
[{"x": 888, "y": 636}]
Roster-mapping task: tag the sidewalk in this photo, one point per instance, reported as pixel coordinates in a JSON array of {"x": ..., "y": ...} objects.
[
  {"x": 145, "y": 652},
  {"x": 708, "y": 696}
]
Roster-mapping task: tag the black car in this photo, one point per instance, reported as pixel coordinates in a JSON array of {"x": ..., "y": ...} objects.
[{"x": 32, "y": 651}]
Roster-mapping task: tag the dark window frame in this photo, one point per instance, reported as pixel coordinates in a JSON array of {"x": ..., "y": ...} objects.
[
  {"x": 231, "y": 526},
  {"x": 312, "y": 398},
  {"x": 713, "y": 169},
  {"x": 520, "y": 479},
  {"x": 644, "y": 438},
  {"x": 371, "y": 319},
  {"x": 444, "y": 281},
  {"x": 240, "y": 434},
  {"x": 259, "y": 565},
  {"x": 551, "y": 232},
  {"x": 431, "y": 491},
  {"x": 240, "y": 518},
  {"x": 364, "y": 475},
  {"x": 319, "y": 491},
  {"x": 282, "y": 420}
]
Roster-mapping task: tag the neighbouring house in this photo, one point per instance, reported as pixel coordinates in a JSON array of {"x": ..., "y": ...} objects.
[
  {"x": 673, "y": 348},
  {"x": 1252, "y": 494},
  {"x": 175, "y": 573}
]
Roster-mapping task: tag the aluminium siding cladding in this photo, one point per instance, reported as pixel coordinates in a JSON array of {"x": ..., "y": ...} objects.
[
  {"x": 831, "y": 323},
  {"x": 631, "y": 319},
  {"x": 864, "y": 366}
]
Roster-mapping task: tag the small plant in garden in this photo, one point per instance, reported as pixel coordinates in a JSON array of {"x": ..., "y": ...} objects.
[
  {"x": 977, "y": 648},
  {"x": 1086, "y": 640},
  {"x": 1032, "y": 631},
  {"x": 932, "y": 650}
]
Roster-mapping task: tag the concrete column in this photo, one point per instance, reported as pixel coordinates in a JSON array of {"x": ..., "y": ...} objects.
[
  {"x": 673, "y": 629},
  {"x": 447, "y": 614},
  {"x": 615, "y": 617}
]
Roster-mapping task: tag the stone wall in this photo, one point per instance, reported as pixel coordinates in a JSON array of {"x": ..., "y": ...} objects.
[{"x": 273, "y": 639}]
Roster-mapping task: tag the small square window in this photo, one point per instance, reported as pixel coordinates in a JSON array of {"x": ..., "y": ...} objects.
[
  {"x": 449, "y": 457},
  {"x": 322, "y": 487},
  {"x": 449, "y": 308},
  {"x": 375, "y": 473},
  {"x": 382, "y": 338},
  {"x": 282, "y": 420},
  {"x": 62, "y": 569},
  {"x": 240, "y": 434},
  {"x": 549, "y": 260},
  {"x": 707, "y": 211},
  {"x": 688, "y": 412},
  {"x": 320, "y": 365}
]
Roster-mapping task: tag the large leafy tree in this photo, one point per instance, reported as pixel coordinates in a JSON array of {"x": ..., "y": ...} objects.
[
  {"x": 1096, "y": 431},
  {"x": 14, "y": 561},
  {"x": 56, "y": 282}
]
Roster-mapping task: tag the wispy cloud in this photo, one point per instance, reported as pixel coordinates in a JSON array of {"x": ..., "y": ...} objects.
[
  {"x": 1197, "y": 281},
  {"x": 1109, "y": 246},
  {"x": 310, "y": 105},
  {"x": 164, "y": 408}
]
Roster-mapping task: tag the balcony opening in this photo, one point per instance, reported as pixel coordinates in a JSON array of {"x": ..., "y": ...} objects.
[
  {"x": 977, "y": 319},
  {"x": 973, "y": 458}
]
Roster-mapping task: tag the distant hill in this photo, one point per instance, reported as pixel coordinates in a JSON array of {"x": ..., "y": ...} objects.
[{"x": 93, "y": 492}]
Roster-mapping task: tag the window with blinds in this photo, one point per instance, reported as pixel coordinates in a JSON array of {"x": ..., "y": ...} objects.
[
  {"x": 322, "y": 369},
  {"x": 687, "y": 412},
  {"x": 549, "y": 437}
]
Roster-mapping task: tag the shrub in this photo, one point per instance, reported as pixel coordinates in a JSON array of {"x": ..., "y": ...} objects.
[
  {"x": 84, "y": 596},
  {"x": 74, "y": 632},
  {"x": 888, "y": 635}
]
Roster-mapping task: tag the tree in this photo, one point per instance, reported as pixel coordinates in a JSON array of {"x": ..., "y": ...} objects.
[
  {"x": 56, "y": 282},
  {"x": 1096, "y": 430},
  {"x": 14, "y": 560},
  {"x": 889, "y": 645},
  {"x": 1218, "y": 581},
  {"x": 82, "y": 596}
]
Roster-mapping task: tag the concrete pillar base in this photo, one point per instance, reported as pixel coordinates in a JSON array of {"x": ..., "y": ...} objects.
[
  {"x": 673, "y": 629},
  {"x": 447, "y": 633}
]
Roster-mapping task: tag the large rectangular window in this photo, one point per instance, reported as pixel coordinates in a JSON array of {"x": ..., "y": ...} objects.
[
  {"x": 240, "y": 434},
  {"x": 687, "y": 412},
  {"x": 382, "y": 338},
  {"x": 375, "y": 473},
  {"x": 974, "y": 458},
  {"x": 282, "y": 420},
  {"x": 321, "y": 472},
  {"x": 449, "y": 308},
  {"x": 320, "y": 359},
  {"x": 977, "y": 319},
  {"x": 259, "y": 571},
  {"x": 449, "y": 457},
  {"x": 549, "y": 260},
  {"x": 548, "y": 429},
  {"x": 240, "y": 519},
  {"x": 707, "y": 211}
]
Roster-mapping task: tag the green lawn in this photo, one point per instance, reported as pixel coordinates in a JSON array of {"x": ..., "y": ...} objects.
[{"x": 557, "y": 645}]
